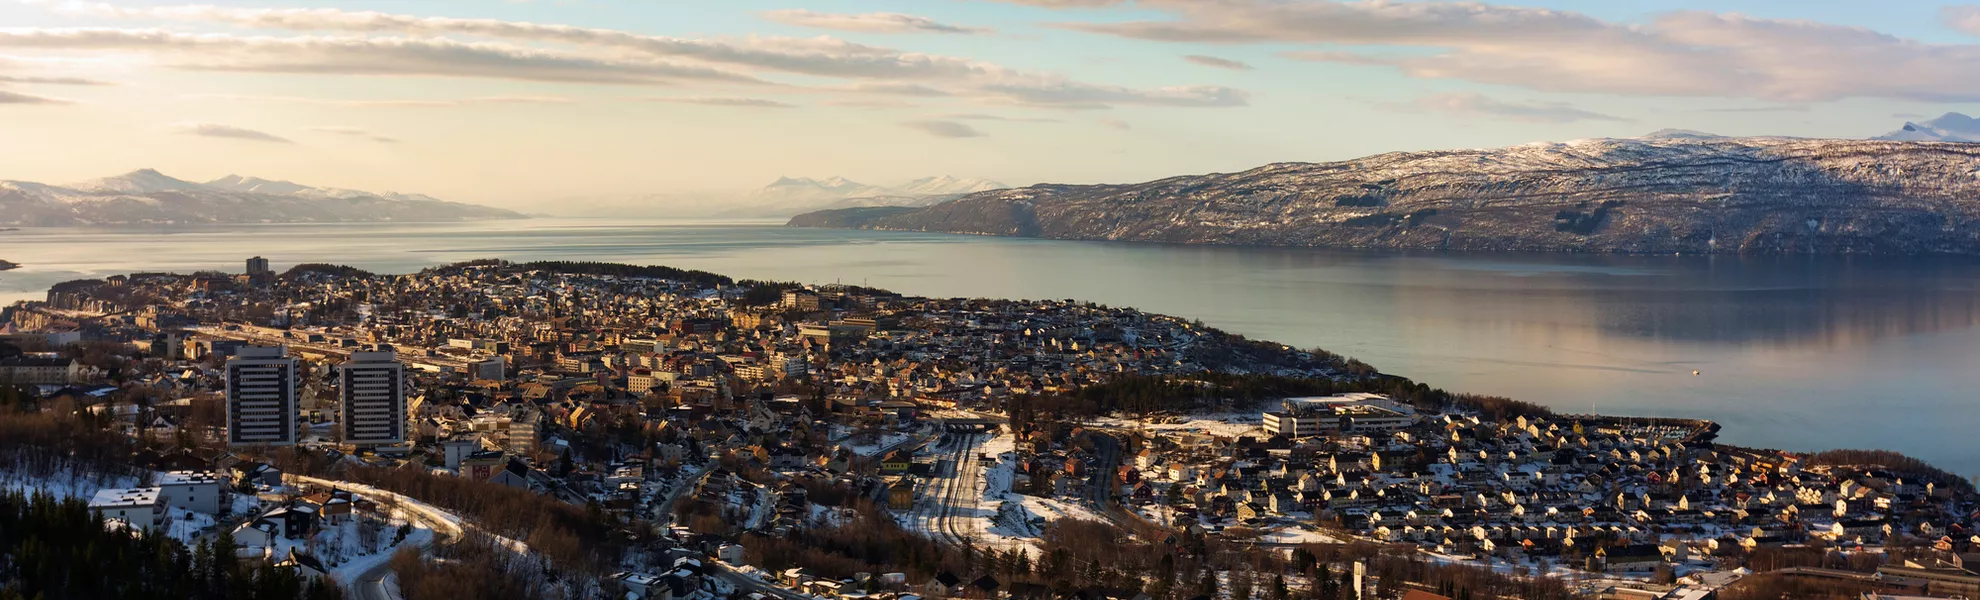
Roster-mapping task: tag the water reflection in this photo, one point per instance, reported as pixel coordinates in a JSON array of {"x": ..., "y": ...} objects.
[{"x": 1795, "y": 352}]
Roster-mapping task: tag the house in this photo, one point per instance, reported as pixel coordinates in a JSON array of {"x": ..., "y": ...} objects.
[
  {"x": 900, "y": 495},
  {"x": 896, "y": 462},
  {"x": 196, "y": 491},
  {"x": 142, "y": 508},
  {"x": 306, "y": 566},
  {"x": 251, "y": 474},
  {"x": 942, "y": 585},
  {"x": 984, "y": 587}
]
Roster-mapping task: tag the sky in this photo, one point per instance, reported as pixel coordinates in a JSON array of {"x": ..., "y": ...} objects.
[{"x": 536, "y": 104}]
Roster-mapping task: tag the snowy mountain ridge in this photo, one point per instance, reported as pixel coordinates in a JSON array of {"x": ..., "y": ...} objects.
[
  {"x": 1686, "y": 192},
  {"x": 148, "y": 196}
]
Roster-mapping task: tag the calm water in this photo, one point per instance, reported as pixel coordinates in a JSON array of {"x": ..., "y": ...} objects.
[{"x": 1797, "y": 353}]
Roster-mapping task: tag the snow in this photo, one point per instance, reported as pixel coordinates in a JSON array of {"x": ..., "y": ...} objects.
[
  {"x": 1217, "y": 424},
  {"x": 885, "y": 442},
  {"x": 81, "y": 486}
]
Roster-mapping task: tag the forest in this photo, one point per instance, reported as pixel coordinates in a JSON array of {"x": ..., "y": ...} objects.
[{"x": 58, "y": 550}]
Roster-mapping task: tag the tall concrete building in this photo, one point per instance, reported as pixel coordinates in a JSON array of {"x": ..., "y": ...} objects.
[
  {"x": 258, "y": 266},
  {"x": 373, "y": 388},
  {"x": 261, "y": 397}
]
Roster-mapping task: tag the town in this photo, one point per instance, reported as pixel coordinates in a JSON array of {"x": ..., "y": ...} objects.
[{"x": 590, "y": 430}]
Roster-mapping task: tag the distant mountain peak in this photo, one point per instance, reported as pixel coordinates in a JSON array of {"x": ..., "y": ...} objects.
[
  {"x": 148, "y": 196},
  {"x": 141, "y": 181},
  {"x": 1684, "y": 134},
  {"x": 1949, "y": 127}
]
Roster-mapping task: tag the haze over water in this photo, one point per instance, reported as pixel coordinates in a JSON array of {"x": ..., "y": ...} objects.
[{"x": 1792, "y": 352}]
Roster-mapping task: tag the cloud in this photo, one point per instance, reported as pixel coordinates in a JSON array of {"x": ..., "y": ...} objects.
[
  {"x": 404, "y": 103},
  {"x": 1061, "y": 93},
  {"x": 1477, "y": 105},
  {"x": 866, "y": 23},
  {"x": 228, "y": 131},
  {"x": 50, "y": 80},
  {"x": 357, "y": 133},
  {"x": 990, "y": 117},
  {"x": 438, "y": 57},
  {"x": 945, "y": 129},
  {"x": 892, "y": 88},
  {"x": 1679, "y": 53},
  {"x": 729, "y": 102},
  {"x": 1221, "y": 63},
  {"x": 7, "y": 97},
  {"x": 1759, "y": 109},
  {"x": 809, "y": 56},
  {"x": 599, "y": 56},
  {"x": 1963, "y": 18}
]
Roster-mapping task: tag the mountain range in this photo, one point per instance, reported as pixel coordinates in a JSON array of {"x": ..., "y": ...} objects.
[
  {"x": 146, "y": 196},
  {"x": 1949, "y": 127},
  {"x": 790, "y": 196},
  {"x": 1672, "y": 192}
]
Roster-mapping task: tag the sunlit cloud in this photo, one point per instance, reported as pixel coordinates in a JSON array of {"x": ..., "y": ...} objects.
[
  {"x": 944, "y": 129},
  {"x": 217, "y": 130},
  {"x": 866, "y": 23},
  {"x": 1470, "y": 104}
]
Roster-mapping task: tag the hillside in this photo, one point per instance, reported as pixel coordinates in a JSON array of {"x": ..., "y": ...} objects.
[
  {"x": 1692, "y": 193},
  {"x": 147, "y": 196}
]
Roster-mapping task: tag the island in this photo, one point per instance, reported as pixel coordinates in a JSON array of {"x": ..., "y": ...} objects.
[{"x": 654, "y": 428}]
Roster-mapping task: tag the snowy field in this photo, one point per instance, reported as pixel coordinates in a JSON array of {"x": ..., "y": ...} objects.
[{"x": 1216, "y": 424}]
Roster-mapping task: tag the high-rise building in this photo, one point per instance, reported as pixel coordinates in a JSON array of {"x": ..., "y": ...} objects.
[
  {"x": 373, "y": 389},
  {"x": 261, "y": 397},
  {"x": 258, "y": 266}
]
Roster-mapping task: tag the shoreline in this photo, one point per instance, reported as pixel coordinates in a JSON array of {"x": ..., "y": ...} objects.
[{"x": 1710, "y": 428}]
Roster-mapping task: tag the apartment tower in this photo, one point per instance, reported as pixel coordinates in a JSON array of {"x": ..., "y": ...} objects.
[{"x": 261, "y": 397}]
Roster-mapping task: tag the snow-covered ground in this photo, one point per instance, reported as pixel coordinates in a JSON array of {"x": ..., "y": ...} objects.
[
  {"x": 1217, "y": 424},
  {"x": 81, "y": 486}
]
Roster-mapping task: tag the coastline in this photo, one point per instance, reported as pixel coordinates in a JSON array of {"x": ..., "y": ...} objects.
[{"x": 1706, "y": 430}]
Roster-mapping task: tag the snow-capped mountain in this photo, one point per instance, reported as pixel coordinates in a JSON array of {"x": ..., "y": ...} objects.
[
  {"x": 147, "y": 196},
  {"x": 141, "y": 181},
  {"x": 946, "y": 184},
  {"x": 1949, "y": 127},
  {"x": 286, "y": 188},
  {"x": 794, "y": 195},
  {"x": 1664, "y": 194}
]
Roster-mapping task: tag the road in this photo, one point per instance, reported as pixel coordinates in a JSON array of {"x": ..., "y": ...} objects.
[{"x": 370, "y": 584}]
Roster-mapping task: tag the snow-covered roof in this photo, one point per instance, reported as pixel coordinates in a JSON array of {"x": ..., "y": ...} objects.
[{"x": 131, "y": 497}]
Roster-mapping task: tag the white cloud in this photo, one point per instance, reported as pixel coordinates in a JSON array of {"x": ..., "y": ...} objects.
[
  {"x": 357, "y": 133},
  {"x": 866, "y": 23},
  {"x": 719, "y": 101},
  {"x": 1477, "y": 105},
  {"x": 1221, "y": 63},
  {"x": 228, "y": 131},
  {"x": 606, "y": 56},
  {"x": 437, "y": 57},
  {"x": 402, "y": 103},
  {"x": 1683, "y": 53},
  {"x": 7, "y": 97},
  {"x": 946, "y": 129}
]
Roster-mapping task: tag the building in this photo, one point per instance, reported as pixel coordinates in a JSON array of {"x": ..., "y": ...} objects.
[
  {"x": 373, "y": 390},
  {"x": 494, "y": 368},
  {"x": 1346, "y": 413},
  {"x": 258, "y": 267},
  {"x": 261, "y": 397},
  {"x": 28, "y": 370},
  {"x": 197, "y": 491},
  {"x": 141, "y": 507}
]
